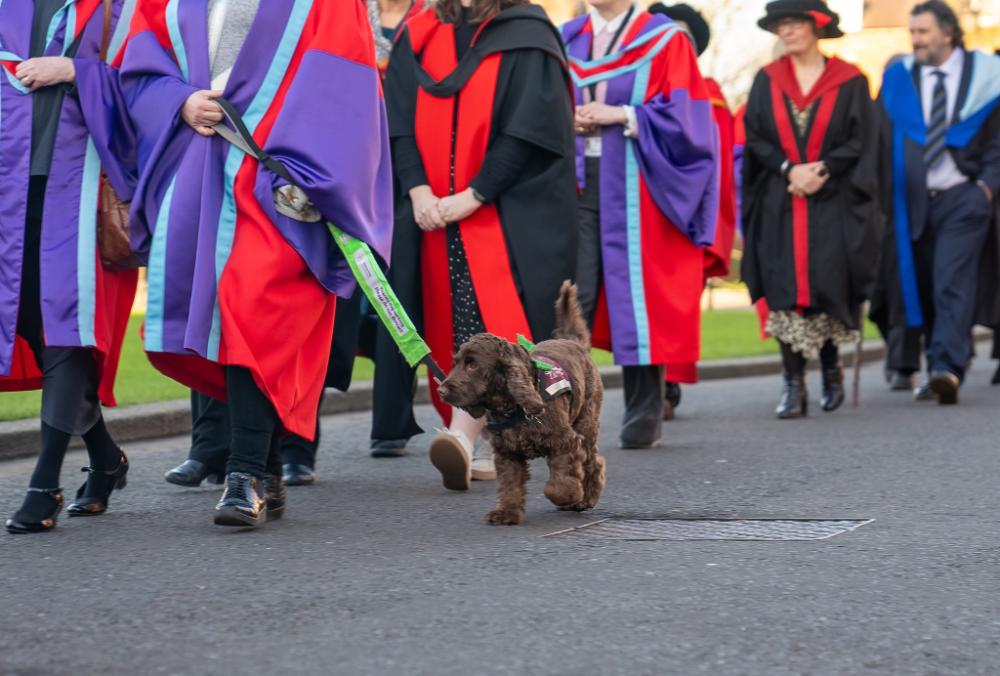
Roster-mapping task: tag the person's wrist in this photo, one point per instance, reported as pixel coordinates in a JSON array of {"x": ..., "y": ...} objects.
[
  {"x": 786, "y": 168},
  {"x": 476, "y": 195}
]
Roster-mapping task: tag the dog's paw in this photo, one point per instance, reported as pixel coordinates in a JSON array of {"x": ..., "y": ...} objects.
[
  {"x": 578, "y": 507},
  {"x": 501, "y": 517},
  {"x": 564, "y": 494}
]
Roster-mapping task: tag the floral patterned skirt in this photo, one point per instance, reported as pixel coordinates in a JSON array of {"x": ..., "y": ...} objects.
[{"x": 807, "y": 333}]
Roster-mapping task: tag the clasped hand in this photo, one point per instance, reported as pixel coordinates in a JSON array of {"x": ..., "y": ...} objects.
[
  {"x": 434, "y": 213},
  {"x": 592, "y": 116},
  {"x": 805, "y": 180},
  {"x": 45, "y": 71}
]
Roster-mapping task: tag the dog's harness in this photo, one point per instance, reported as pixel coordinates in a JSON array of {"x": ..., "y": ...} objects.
[{"x": 551, "y": 380}]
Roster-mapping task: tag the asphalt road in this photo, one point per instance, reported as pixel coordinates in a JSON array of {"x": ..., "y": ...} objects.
[{"x": 378, "y": 570}]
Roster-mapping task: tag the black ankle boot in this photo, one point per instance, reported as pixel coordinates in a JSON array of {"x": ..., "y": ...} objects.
[
  {"x": 93, "y": 497},
  {"x": 192, "y": 472},
  {"x": 274, "y": 496},
  {"x": 241, "y": 503},
  {"x": 38, "y": 512},
  {"x": 833, "y": 389},
  {"x": 794, "y": 401}
]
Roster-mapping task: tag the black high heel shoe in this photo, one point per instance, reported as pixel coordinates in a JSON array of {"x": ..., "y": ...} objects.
[
  {"x": 93, "y": 496},
  {"x": 37, "y": 517}
]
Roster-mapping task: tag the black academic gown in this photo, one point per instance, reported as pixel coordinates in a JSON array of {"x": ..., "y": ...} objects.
[
  {"x": 844, "y": 222},
  {"x": 537, "y": 212}
]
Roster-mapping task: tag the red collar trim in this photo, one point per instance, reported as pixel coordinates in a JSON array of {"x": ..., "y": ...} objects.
[{"x": 837, "y": 73}]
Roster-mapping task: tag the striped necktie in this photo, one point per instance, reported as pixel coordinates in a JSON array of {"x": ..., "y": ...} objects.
[{"x": 934, "y": 149}]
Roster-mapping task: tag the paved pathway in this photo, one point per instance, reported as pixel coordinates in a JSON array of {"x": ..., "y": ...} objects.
[{"x": 378, "y": 570}]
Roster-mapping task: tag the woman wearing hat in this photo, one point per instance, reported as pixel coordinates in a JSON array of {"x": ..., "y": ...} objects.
[{"x": 809, "y": 209}]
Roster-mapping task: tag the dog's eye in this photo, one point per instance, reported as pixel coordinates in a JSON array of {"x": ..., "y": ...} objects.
[{"x": 470, "y": 363}]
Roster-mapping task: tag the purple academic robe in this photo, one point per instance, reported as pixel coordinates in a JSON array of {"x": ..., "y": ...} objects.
[
  {"x": 82, "y": 304},
  {"x": 230, "y": 280},
  {"x": 659, "y": 192}
]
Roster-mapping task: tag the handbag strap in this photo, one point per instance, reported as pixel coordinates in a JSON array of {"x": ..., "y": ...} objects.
[{"x": 106, "y": 31}]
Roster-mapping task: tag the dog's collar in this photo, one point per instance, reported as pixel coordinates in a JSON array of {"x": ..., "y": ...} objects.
[{"x": 509, "y": 420}]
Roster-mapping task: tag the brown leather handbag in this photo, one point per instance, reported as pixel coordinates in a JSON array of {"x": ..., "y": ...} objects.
[{"x": 113, "y": 241}]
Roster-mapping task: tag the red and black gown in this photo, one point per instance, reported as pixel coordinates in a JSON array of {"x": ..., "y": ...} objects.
[
  {"x": 813, "y": 258},
  {"x": 489, "y": 106}
]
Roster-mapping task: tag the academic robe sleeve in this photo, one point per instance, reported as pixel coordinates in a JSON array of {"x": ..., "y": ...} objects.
[
  {"x": 105, "y": 112},
  {"x": 534, "y": 119},
  {"x": 761, "y": 151},
  {"x": 155, "y": 90},
  {"x": 340, "y": 158},
  {"x": 854, "y": 166},
  {"x": 762, "y": 160},
  {"x": 677, "y": 144}
]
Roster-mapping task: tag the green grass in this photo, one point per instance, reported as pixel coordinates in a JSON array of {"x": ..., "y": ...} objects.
[{"x": 726, "y": 334}]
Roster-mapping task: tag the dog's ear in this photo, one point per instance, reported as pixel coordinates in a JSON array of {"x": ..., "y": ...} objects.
[{"x": 515, "y": 364}]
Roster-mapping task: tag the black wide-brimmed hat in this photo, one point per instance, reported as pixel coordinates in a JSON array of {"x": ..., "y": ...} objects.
[
  {"x": 700, "y": 32},
  {"x": 826, "y": 20}
]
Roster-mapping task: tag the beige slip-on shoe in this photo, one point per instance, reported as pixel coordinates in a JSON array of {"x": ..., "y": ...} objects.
[{"x": 450, "y": 454}]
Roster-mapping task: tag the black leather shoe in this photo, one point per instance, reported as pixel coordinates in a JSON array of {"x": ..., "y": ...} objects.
[
  {"x": 192, "y": 473},
  {"x": 38, "y": 512},
  {"x": 93, "y": 496},
  {"x": 901, "y": 382},
  {"x": 274, "y": 496},
  {"x": 242, "y": 503},
  {"x": 833, "y": 389},
  {"x": 794, "y": 401},
  {"x": 298, "y": 475},
  {"x": 945, "y": 385},
  {"x": 673, "y": 394}
]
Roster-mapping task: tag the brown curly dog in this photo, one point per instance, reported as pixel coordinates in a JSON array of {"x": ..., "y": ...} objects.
[{"x": 507, "y": 384}]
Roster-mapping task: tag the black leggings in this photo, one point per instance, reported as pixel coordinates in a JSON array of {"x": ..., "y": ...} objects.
[
  {"x": 70, "y": 378},
  {"x": 795, "y": 362}
]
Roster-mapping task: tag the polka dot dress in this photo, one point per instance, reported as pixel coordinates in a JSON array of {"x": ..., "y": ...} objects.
[{"x": 466, "y": 319}]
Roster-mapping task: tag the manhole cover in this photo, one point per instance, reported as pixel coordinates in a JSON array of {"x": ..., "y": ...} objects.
[{"x": 713, "y": 529}]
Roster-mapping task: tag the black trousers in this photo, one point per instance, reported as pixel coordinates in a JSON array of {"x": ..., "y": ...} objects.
[
  {"x": 903, "y": 349},
  {"x": 210, "y": 436},
  {"x": 947, "y": 260},
  {"x": 395, "y": 381},
  {"x": 645, "y": 387},
  {"x": 70, "y": 377}
]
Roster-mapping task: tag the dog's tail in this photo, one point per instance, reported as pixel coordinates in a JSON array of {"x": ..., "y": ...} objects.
[{"x": 569, "y": 317}]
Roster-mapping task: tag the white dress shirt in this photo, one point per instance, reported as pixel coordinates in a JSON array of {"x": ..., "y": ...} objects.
[{"x": 945, "y": 175}]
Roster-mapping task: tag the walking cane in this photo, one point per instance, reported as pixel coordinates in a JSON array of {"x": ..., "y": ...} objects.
[
  {"x": 359, "y": 257},
  {"x": 858, "y": 349}
]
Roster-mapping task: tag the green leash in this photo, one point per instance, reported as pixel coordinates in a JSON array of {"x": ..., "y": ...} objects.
[{"x": 357, "y": 254}]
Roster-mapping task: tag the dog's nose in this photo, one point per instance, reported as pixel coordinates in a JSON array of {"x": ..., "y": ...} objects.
[{"x": 442, "y": 390}]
